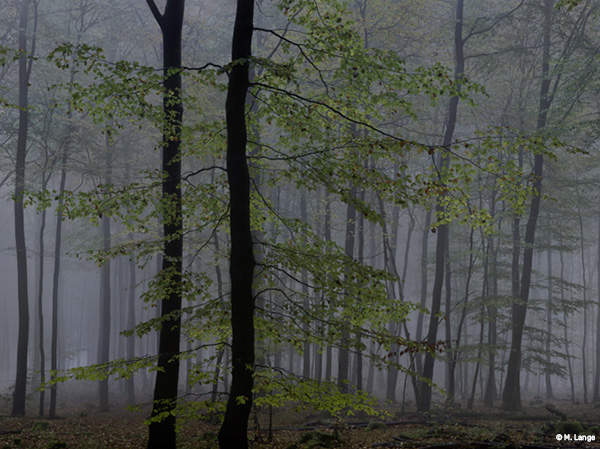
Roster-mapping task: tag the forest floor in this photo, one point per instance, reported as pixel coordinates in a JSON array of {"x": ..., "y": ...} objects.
[{"x": 534, "y": 428}]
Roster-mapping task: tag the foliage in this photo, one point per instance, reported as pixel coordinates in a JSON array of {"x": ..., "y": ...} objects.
[{"x": 327, "y": 117}]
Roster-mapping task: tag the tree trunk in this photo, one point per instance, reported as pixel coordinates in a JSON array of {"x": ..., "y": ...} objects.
[
  {"x": 565, "y": 334},
  {"x": 19, "y": 395},
  {"x": 549, "y": 314},
  {"x": 162, "y": 428},
  {"x": 40, "y": 310},
  {"x": 344, "y": 352},
  {"x": 424, "y": 284},
  {"x": 105, "y": 294},
  {"x": 596, "y": 396},
  {"x": 233, "y": 432},
  {"x": 585, "y": 303},
  {"x": 424, "y": 389},
  {"x": 130, "y": 348},
  {"x": 511, "y": 395},
  {"x": 305, "y": 300}
]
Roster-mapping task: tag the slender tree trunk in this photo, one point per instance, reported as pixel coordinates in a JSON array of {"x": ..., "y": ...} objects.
[
  {"x": 565, "y": 332},
  {"x": 360, "y": 255},
  {"x": 327, "y": 237},
  {"x": 478, "y": 364},
  {"x": 131, "y": 296},
  {"x": 424, "y": 284},
  {"x": 40, "y": 311},
  {"x": 549, "y": 315},
  {"x": 162, "y": 427},
  {"x": 344, "y": 352},
  {"x": 221, "y": 350},
  {"x": 450, "y": 351},
  {"x": 492, "y": 259},
  {"x": 19, "y": 395},
  {"x": 233, "y": 432},
  {"x": 56, "y": 278},
  {"x": 105, "y": 293},
  {"x": 511, "y": 395},
  {"x": 596, "y": 396},
  {"x": 424, "y": 389},
  {"x": 305, "y": 301},
  {"x": 585, "y": 303}
]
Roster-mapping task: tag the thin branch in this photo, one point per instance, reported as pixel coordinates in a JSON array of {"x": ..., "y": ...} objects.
[{"x": 155, "y": 12}]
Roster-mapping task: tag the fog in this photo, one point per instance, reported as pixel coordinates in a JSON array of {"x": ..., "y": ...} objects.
[{"x": 356, "y": 174}]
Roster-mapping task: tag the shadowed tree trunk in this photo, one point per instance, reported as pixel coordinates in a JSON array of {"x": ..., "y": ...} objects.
[
  {"x": 424, "y": 283},
  {"x": 130, "y": 348},
  {"x": 233, "y": 432},
  {"x": 19, "y": 395},
  {"x": 511, "y": 395},
  {"x": 424, "y": 388},
  {"x": 344, "y": 352},
  {"x": 585, "y": 302},
  {"x": 549, "y": 393},
  {"x": 105, "y": 285},
  {"x": 596, "y": 394},
  {"x": 162, "y": 429},
  {"x": 40, "y": 301}
]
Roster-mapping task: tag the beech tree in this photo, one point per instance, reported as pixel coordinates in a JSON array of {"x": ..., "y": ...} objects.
[
  {"x": 233, "y": 432},
  {"x": 25, "y": 65},
  {"x": 162, "y": 427}
]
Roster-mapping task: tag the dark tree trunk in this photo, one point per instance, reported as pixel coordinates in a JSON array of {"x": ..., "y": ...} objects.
[
  {"x": 511, "y": 395},
  {"x": 453, "y": 353},
  {"x": 549, "y": 393},
  {"x": 130, "y": 349},
  {"x": 424, "y": 388},
  {"x": 490, "y": 388},
  {"x": 585, "y": 302},
  {"x": 596, "y": 394},
  {"x": 450, "y": 350},
  {"x": 162, "y": 429},
  {"x": 105, "y": 294},
  {"x": 233, "y": 432},
  {"x": 305, "y": 300},
  {"x": 344, "y": 352},
  {"x": 19, "y": 395},
  {"x": 565, "y": 333},
  {"x": 40, "y": 310},
  {"x": 327, "y": 237},
  {"x": 221, "y": 349},
  {"x": 424, "y": 284}
]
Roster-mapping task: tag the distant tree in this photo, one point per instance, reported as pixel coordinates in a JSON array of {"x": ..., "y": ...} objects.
[{"x": 25, "y": 65}]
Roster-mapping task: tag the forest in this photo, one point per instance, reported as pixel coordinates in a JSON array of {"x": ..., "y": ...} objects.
[{"x": 299, "y": 224}]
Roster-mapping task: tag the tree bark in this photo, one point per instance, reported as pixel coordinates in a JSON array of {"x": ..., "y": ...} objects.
[
  {"x": 344, "y": 352},
  {"x": 162, "y": 428},
  {"x": 596, "y": 394},
  {"x": 19, "y": 395},
  {"x": 233, "y": 432},
  {"x": 105, "y": 294},
  {"x": 130, "y": 348},
  {"x": 549, "y": 314},
  {"x": 511, "y": 395},
  {"x": 40, "y": 309},
  {"x": 424, "y": 388}
]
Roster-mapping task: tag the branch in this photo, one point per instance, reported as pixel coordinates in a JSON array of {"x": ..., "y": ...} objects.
[
  {"x": 493, "y": 24},
  {"x": 155, "y": 12}
]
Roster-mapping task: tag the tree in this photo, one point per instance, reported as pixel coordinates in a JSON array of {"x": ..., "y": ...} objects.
[
  {"x": 424, "y": 390},
  {"x": 233, "y": 432},
  {"x": 162, "y": 427},
  {"x": 550, "y": 82},
  {"x": 25, "y": 65}
]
